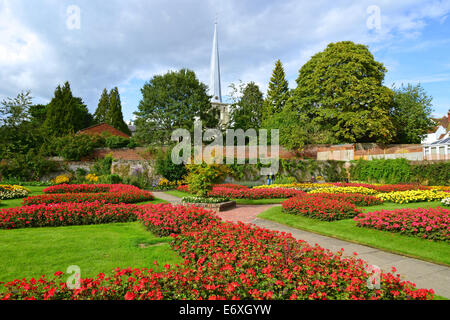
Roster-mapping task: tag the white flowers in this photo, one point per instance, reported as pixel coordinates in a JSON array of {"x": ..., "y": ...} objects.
[{"x": 446, "y": 201}]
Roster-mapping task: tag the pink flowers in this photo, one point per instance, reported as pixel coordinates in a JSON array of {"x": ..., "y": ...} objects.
[
  {"x": 115, "y": 193},
  {"x": 433, "y": 224}
]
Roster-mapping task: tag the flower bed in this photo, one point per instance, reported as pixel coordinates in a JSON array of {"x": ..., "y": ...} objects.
[
  {"x": 357, "y": 199},
  {"x": 252, "y": 194},
  {"x": 320, "y": 207},
  {"x": 165, "y": 219},
  {"x": 66, "y": 214},
  {"x": 446, "y": 202},
  {"x": 91, "y": 193},
  {"x": 228, "y": 261},
  {"x": 13, "y": 192},
  {"x": 203, "y": 200},
  {"x": 433, "y": 224},
  {"x": 413, "y": 196},
  {"x": 384, "y": 187},
  {"x": 361, "y": 190}
]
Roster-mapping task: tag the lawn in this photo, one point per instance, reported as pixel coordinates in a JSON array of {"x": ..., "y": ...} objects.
[
  {"x": 26, "y": 253},
  {"x": 437, "y": 252},
  {"x": 181, "y": 194}
]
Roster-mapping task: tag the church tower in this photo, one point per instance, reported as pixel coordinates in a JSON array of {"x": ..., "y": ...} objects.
[{"x": 215, "y": 89}]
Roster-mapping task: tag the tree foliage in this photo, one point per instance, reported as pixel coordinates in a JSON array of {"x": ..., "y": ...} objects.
[
  {"x": 278, "y": 92},
  {"x": 411, "y": 113},
  {"x": 172, "y": 101},
  {"x": 66, "y": 114},
  {"x": 247, "y": 109},
  {"x": 341, "y": 89},
  {"x": 109, "y": 110}
]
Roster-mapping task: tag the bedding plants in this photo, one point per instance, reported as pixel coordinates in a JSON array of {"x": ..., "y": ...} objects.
[
  {"x": 319, "y": 207},
  {"x": 413, "y": 196},
  {"x": 90, "y": 193},
  {"x": 227, "y": 261},
  {"x": 8, "y": 192},
  {"x": 432, "y": 224}
]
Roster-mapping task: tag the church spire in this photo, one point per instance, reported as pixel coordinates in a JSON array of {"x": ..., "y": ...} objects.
[{"x": 215, "y": 89}]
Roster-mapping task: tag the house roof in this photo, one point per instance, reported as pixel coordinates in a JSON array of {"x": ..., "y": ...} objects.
[
  {"x": 103, "y": 127},
  {"x": 443, "y": 141}
]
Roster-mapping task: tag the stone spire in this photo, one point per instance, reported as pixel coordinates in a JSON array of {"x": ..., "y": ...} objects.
[{"x": 215, "y": 89}]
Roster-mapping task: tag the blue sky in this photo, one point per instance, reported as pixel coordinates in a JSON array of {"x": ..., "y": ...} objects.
[{"x": 125, "y": 43}]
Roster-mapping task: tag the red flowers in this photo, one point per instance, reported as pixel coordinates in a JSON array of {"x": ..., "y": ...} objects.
[
  {"x": 321, "y": 207},
  {"x": 227, "y": 261},
  {"x": 433, "y": 224},
  {"x": 116, "y": 193},
  {"x": 66, "y": 214},
  {"x": 269, "y": 193}
]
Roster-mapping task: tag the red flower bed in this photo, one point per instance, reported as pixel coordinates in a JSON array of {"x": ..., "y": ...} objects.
[
  {"x": 66, "y": 214},
  {"x": 354, "y": 198},
  {"x": 433, "y": 224},
  {"x": 165, "y": 219},
  {"x": 384, "y": 188},
  {"x": 269, "y": 193},
  {"x": 89, "y": 193},
  {"x": 231, "y": 261},
  {"x": 321, "y": 208}
]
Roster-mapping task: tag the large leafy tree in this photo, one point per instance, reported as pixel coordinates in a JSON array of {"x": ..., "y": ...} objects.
[
  {"x": 173, "y": 101},
  {"x": 278, "y": 92},
  {"x": 65, "y": 113},
  {"x": 341, "y": 89},
  {"x": 247, "y": 109},
  {"x": 412, "y": 113}
]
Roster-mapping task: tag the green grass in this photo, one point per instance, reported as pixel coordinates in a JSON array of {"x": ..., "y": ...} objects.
[
  {"x": 26, "y": 253},
  {"x": 432, "y": 251},
  {"x": 181, "y": 194}
]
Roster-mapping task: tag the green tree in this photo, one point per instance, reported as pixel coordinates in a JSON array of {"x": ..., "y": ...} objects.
[
  {"x": 38, "y": 113},
  {"x": 14, "y": 111},
  {"x": 100, "y": 115},
  {"x": 172, "y": 101},
  {"x": 66, "y": 114},
  {"x": 341, "y": 89},
  {"x": 247, "y": 110},
  {"x": 114, "y": 116},
  {"x": 412, "y": 113},
  {"x": 278, "y": 92}
]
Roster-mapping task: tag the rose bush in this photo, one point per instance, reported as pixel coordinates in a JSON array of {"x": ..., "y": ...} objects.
[{"x": 433, "y": 224}]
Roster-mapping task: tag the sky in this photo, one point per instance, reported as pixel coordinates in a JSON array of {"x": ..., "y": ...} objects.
[{"x": 97, "y": 44}]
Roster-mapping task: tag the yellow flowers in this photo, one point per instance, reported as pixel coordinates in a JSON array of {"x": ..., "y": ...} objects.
[
  {"x": 296, "y": 186},
  {"x": 65, "y": 178},
  {"x": 361, "y": 190},
  {"x": 413, "y": 196},
  {"x": 13, "y": 192},
  {"x": 165, "y": 184},
  {"x": 92, "y": 178}
]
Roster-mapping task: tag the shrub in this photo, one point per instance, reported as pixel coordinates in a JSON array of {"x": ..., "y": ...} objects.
[
  {"x": 169, "y": 170},
  {"x": 201, "y": 178},
  {"x": 110, "y": 179},
  {"x": 26, "y": 167},
  {"x": 116, "y": 142},
  {"x": 321, "y": 208},
  {"x": 432, "y": 224},
  {"x": 74, "y": 147},
  {"x": 66, "y": 214},
  {"x": 103, "y": 166}
]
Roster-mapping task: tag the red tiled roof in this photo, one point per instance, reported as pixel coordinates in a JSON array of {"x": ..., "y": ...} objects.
[{"x": 101, "y": 128}]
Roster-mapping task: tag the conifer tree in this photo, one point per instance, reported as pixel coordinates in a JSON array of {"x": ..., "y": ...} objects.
[
  {"x": 278, "y": 92},
  {"x": 114, "y": 115},
  {"x": 66, "y": 114},
  {"x": 103, "y": 107}
]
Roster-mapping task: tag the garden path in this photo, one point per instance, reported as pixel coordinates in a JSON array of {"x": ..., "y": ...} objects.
[{"x": 424, "y": 274}]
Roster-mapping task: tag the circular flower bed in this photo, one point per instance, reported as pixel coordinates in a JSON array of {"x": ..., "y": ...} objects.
[
  {"x": 115, "y": 193},
  {"x": 433, "y": 224},
  {"x": 321, "y": 208}
]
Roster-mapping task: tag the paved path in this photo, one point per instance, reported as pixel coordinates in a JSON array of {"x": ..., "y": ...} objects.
[{"x": 423, "y": 274}]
